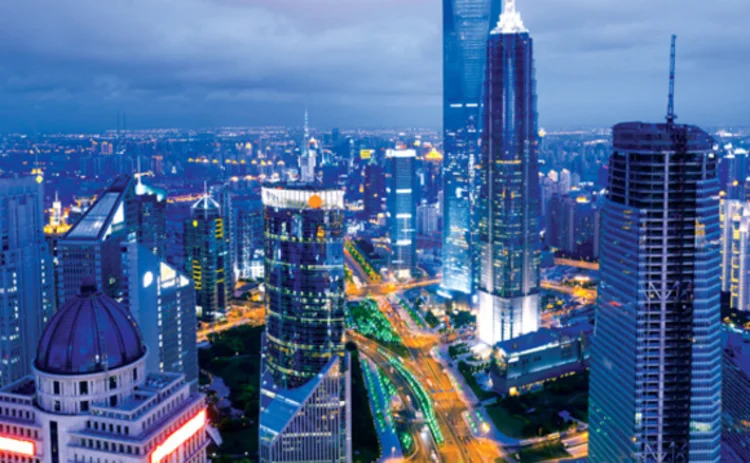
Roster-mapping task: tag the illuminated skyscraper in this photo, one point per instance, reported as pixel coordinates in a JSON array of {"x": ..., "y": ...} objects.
[
  {"x": 152, "y": 218},
  {"x": 655, "y": 389},
  {"x": 305, "y": 387},
  {"x": 27, "y": 291},
  {"x": 208, "y": 259},
  {"x": 402, "y": 213},
  {"x": 735, "y": 252},
  {"x": 466, "y": 24},
  {"x": 508, "y": 206}
]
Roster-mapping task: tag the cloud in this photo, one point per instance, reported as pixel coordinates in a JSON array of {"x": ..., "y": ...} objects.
[{"x": 353, "y": 62}]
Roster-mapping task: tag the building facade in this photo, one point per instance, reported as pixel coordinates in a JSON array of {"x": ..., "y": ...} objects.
[
  {"x": 305, "y": 387},
  {"x": 208, "y": 261},
  {"x": 161, "y": 300},
  {"x": 402, "y": 213},
  {"x": 735, "y": 399},
  {"x": 250, "y": 240},
  {"x": 466, "y": 24},
  {"x": 27, "y": 282},
  {"x": 92, "y": 398},
  {"x": 509, "y": 201},
  {"x": 655, "y": 389},
  {"x": 152, "y": 218},
  {"x": 735, "y": 252}
]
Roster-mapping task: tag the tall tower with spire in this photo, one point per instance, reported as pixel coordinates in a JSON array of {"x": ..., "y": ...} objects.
[
  {"x": 307, "y": 159},
  {"x": 466, "y": 25},
  {"x": 508, "y": 202}
]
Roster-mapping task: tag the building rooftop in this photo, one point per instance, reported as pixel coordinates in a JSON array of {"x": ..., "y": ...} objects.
[
  {"x": 544, "y": 337},
  {"x": 108, "y": 211},
  {"x": 90, "y": 333}
]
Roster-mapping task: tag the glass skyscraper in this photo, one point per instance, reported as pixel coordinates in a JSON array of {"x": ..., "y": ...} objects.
[
  {"x": 508, "y": 205},
  {"x": 655, "y": 389},
  {"x": 402, "y": 212},
  {"x": 466, "y": 24},
  {"x": 305, "y": 387}
]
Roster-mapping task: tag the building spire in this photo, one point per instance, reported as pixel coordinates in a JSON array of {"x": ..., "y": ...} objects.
[{"x": 510, "y": 20}]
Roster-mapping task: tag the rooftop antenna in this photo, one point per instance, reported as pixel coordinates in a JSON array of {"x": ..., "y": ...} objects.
[{"x": 672, "y": 64}]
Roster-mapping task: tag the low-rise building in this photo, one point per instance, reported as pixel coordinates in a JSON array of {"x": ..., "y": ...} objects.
[
  {"x": 534, "y": 358},
  {"x": 91, "y": 399}
]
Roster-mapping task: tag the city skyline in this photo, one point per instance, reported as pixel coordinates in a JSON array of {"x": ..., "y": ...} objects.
[{"x": 206, "y": 66}]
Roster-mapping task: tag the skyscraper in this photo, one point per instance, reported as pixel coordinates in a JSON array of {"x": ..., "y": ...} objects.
[
  {"x": 735, "y": 400},
  {"x": 655, "y": 389},
  {"x": 92, "y": 247},
  {"x": 27, "y": 291},
  {"x": 152, "y": 217},
  {"x": 735, "y": 252},
  {"x": 305, "y": 387},
  {"x": 466, "y": 24},
  {"x": 509, "y": 200},
  {"x": 402, "y": 213},
  {"x": 208, "y": 260}
]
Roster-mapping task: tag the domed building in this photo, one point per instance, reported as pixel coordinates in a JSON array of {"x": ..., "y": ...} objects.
[{"x": 90, "y": 398}]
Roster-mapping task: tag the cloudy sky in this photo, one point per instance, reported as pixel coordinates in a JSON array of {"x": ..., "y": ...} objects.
[{"x": 74, "y": 64}]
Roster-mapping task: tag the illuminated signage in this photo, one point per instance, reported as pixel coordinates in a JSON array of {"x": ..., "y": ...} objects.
[
  {"x": 21, "y": 447},
  {"x": 177, "y": 438},
  {"x": 365, "y": 154}
]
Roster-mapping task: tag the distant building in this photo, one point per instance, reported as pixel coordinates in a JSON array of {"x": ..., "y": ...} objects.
[
  {"x": 152, "y": 218},
  {"x": 208, "y": 259},
  {"x": 402, "y": 213},
  {"x": 735, "y": 401},
  {"x": 655, "y": 388},
  {"x": 305, "y": 405},
  {"x": 733, "y": 170},
  {"x": 92, "y": 398},
  {"x": 27, "y": 291},
  {"x": 373, "y": 190},
  {"x": 250, "y": 240},
  {"x": 534, "y": 358},
  {"x": 735, "y": 252},
  {"x": 509, "y": 242},
  {"x": 427, "y": 219}
]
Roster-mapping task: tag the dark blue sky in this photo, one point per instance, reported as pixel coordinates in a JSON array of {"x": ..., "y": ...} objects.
[{"x": 73, "y": 64}]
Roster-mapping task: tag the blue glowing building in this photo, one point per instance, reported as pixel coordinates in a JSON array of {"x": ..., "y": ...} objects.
[
  {"x": 402, "y": 213},
  {"x": 305, "y": 385},
  {"x": 508, "y": 206},
  {"x": 655, "y": 389},
  {"x": 466, "y": 24}
]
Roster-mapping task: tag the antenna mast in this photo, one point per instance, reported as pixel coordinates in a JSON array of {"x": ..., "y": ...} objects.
[{"x": 672, "y": 64}]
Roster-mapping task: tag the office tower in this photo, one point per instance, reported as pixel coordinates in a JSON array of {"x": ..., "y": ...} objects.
[
  {"x": 27, "y": 292},
  {"x": 508, "y": 206},
  {"x": 161, "y": 299},
  {"x": 566, "y": 181},
  {"x": 226, "y": 201},
  {"x": 466, "y": 24},
  {"x": 402, "y": 213},
  {"x": 733, "y": 170},
  {"x": 735, "y": 252},
  {"x": 308, "y": 155},
  {"x": 735, "y": 400},
  {"x": 91, "y": 396},
  {"x": 427, "y": 219},
  {"x": 151, "y": 206},
  {"x": 655, "y": 389},
  {"x": 305, "y": 387},
  {"x": 208, "y": 258},
  {"x": 374, "y": 190},
  {"x": 579, "y": 217},
  {"x": 250, "y": 239},
  {"x": 92, "y": 246}
]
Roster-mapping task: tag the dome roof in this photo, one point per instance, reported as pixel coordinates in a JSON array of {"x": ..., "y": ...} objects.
[{"x": 91, "y": 333}]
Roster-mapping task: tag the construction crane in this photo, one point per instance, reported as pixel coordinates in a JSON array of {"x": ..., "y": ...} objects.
[{"x": 672, "y": 62}]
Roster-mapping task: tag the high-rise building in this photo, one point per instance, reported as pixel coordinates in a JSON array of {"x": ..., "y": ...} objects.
[
  {"x": 402, "y": 213},
  {"x": 655, "y": 389},
  {"x": 735, "y": 400},
  {"x": 208, "y": 261},
  {"x": 305, "y": 387},
  {"x": 427, "y": 219},
  {"x": 27, "y": 291},
  {"x": 229, "y": 214},
  {"x": 91, "y": 396},
  {"x": 508, "y": 209},
  {"x": 733, "y": 170},
  {"x": 92, "y": 247},
  {"x": 161, "y": 299},
  {"x": 466, "y": 24},
  {"x": 374, "y": 189},
  {"x": 250, "y": 240},
  {"x": 152, "y": 217},
  {"x": 735, "y": 252}
]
